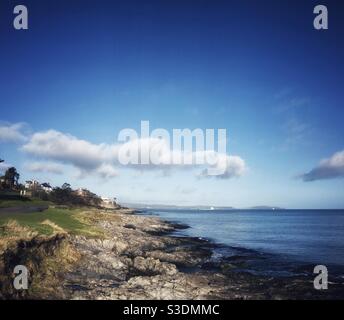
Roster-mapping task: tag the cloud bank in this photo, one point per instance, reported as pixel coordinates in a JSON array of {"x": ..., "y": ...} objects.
[
  {"x": 330, "y": 168},
  {"x": 104, "y": 159}
]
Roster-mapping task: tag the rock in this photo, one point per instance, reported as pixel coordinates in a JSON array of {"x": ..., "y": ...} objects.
[
  {"x": 180, "y": 258},
  {"x": 129, "y": 226},
  {"x": 151, "y": 266},
  {"x": 119, "y": 247}
]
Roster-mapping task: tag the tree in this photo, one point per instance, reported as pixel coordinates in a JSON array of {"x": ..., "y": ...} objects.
[
  {"x": 11, "y": 177},
  {"x": 66, "y": 186},
  {"x": 1, "y": 160}
]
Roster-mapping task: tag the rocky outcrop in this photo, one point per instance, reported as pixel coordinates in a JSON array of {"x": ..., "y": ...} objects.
[
  {"x": 136, "y": 258},
  {"x": 151, "y": 266},
  {"x": 178, "y": 286},
  {"x": 140, "y": 260}
]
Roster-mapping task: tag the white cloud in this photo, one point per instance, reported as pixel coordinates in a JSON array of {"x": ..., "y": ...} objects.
[
  {"x": 103, "y": 159},
  {"x": 49, "y": 167},
  {"x": 330, "y": 168},
  {"x": 54, "y": 145},
  {"x": 230, "y": 166},
  {"x": 12, "y": 133}
]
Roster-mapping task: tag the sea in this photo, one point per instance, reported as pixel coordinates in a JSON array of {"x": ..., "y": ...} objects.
[{"x": 275, "y": 242}]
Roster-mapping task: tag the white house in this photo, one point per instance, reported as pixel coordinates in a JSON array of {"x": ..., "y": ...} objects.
[
  {"x": 32, "y": 185},
  {"x": 108, "y": 202},
  {"x": 46, "y": 187}
]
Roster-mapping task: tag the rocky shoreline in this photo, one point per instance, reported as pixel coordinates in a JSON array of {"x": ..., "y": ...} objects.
[
  {"x": 141, "y": 260},
  {"x": 138, "y": 258}
]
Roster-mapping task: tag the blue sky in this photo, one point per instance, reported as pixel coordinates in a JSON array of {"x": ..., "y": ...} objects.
[{"x": 257, "y": 68}]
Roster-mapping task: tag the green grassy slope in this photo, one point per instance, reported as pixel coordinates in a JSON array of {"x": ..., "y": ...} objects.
[{"x": 52, "y": 221}]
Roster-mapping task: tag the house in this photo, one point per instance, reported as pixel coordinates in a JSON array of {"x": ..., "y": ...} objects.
[
  {"x": 108, "y": 202},
  {"x": 32, "y": 185},
  {"x": 46, "y": 187}
]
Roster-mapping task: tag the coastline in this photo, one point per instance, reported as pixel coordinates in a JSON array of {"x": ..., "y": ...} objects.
[{"x": 138, "y": 258}]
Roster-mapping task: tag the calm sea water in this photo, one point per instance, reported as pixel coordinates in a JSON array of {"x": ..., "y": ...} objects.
[{"x": 293, "y": 237}]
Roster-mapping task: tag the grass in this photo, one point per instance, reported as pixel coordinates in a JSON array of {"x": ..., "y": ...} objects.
[
  {"x": 22, "y": 203},
  {"x": 51, "y": 221},
  {"x": 46, "y": 254}
]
